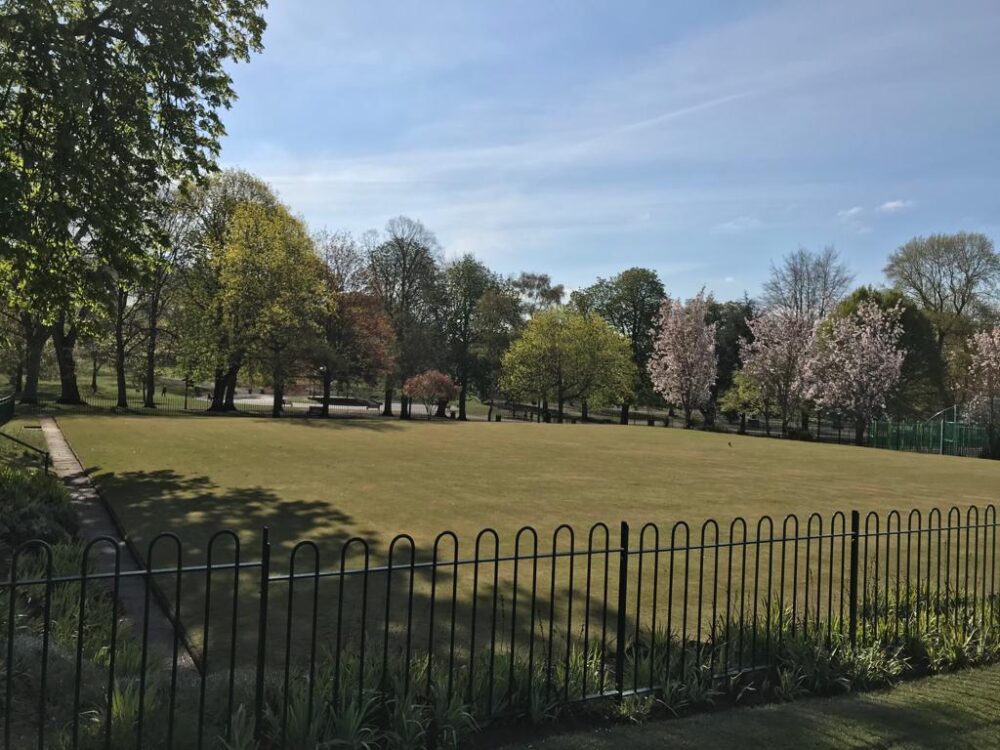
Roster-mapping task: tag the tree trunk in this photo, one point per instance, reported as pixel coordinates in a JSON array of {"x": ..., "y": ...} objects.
[
  {"x": 462, "y": 395},
  {"x": 560, "y": 402},
  {"x": 584, "y": 410},
  {"x": 442, "y": 406},
  {"x": 859, "y": 432},
  {"x": 94, "y": 368},
  {"x": 35, "y": 336},
  {"x": 231, "y": 374},
  {"x": 122, "y": 300},
  {"x": 544, "y": 414},
  {"x": 18, "y": 379},
  {"x": 387, "y": 404},
  {"x": 687, "y": 417},
  {"x": 218, "y": 391},
  {"x": 404, "y": 407},
  {"x": 279, "y": 397},
  {"x": 327, "y": 386},
  {"x": 743, "y": 424},
  {"x": 154, "y": 320},
  {"x": 623, "y": 419},
  {"x": 64, "y": 341}
]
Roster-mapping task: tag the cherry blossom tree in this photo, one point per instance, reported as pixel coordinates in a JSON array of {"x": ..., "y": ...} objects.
[
  {"x": 984, "y": 377},
  {"x": 856, "y": 363},
  {"x": 775, "y": 359},
  {"x": 683, "y": 365}
]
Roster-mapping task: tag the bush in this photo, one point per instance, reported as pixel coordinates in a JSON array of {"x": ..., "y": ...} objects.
[{"x": 34, "y": 506}]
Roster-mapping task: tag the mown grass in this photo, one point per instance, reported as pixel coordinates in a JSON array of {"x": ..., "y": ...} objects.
[
  {"x": 946, "y": 711},
  {"x": 329, "y": 480}
]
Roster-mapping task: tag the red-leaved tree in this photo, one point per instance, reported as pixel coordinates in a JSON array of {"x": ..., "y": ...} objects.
[{"x": 433, "y": 389}]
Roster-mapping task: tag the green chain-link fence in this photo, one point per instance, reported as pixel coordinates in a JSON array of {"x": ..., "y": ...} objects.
[{"x": 937, "y": 436}]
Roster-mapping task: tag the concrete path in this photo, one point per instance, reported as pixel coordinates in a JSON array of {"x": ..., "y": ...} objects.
[{"x": 96, "y": 521}]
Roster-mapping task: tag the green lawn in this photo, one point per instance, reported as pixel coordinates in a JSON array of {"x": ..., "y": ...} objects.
[
  {"x": 331, "y": 479},
  {"x": 959, "y": 710}
]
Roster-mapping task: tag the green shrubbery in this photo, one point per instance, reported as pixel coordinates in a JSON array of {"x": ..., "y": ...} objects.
[{"x": 33, "y": 505}]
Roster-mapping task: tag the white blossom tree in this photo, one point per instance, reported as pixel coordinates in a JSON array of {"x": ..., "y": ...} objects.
[
  {"x": 984, "y": 381},
  {"x": 775, "y": 359},
  {"x": 856, "y": 362},
  {"x": 683, "y": 365}
]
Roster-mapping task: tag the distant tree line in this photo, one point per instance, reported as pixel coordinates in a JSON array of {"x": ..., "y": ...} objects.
[{"x": 124, "y": 250}]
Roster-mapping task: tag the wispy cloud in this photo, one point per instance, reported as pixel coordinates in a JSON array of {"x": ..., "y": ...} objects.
[
  {"x": 738, "y": 225},
  {"x": 852, "y": 218},
  {"x": 892, "y": 207}
]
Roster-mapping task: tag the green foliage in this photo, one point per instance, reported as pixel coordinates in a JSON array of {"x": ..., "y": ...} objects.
[
  {"x": 564, "y": 355},
  {"x": 34, "y": 505}
]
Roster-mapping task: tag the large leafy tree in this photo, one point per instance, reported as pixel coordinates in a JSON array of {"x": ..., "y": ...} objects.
[
  {"x": 208, "y": 347},
  {"x": 271, "y": 291},
  {"x": 629, "y": 302},
  {"x": 683, "y": 367},
  {"x": 356, "y": 339},
  {"x": 103, "y": 104},
  {"x": 475, "y": 317},
  {"x": 564, "y": 355},
  {"x": 808, "y": 284},
  {"x": 403, "y": 271},
  {"x": 730, "y": 319},
  {"x": 952, "y": 277}
]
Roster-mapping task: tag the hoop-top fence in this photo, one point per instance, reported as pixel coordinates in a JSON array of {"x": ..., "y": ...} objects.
[{"x": 503, "y": 627}]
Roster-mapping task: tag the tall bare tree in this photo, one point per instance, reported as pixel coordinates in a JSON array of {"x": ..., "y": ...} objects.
[{"x": 808, "y": 284}]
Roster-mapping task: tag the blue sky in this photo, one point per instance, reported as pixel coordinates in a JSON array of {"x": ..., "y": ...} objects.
[{"x": 702, "y": 139}]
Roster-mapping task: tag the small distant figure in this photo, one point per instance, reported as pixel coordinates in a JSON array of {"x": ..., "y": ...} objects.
[
  {"x": 163, "y": 392},
  {"x": 730, "y": 445}
]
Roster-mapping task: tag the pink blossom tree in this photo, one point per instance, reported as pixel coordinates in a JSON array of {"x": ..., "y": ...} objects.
[
  {"x": 432, "y": 388},
  {"x": 683, "y": 365},
  {"x": 775, "y": 359},
  {"x": 984, "y": 382},
  {"x": 856, "y": 363}
]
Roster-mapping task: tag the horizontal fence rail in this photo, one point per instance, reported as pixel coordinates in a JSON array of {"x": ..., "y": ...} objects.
[{"x": 283, "y": 644}]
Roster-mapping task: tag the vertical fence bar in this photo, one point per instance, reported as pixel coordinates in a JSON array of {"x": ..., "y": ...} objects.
[
  {"x": 853, "y": 603},
  {"x": 263, "y": 588},
  {"x": 622, "y": 620}
]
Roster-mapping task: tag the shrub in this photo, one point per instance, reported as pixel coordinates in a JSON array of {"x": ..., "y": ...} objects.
[{"x": 34, "y": 506}]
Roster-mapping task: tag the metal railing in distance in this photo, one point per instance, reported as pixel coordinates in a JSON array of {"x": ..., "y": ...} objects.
[{"x": 498, "y": 624}]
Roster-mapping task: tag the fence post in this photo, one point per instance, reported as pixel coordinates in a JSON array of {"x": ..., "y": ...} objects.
[
  {"x": 265, "y": 573},
  {"x": 853, "y": 606},
  {"x": 622, "y": 606}
]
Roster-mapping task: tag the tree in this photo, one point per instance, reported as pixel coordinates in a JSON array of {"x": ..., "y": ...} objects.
[
  {"x": 403, "y": 273},
  {"x": 856, "y": 363},
  {"x": 742, "y": 397},
  {"x": 271, "y": 290},
  {"x": 537, "y": 292},
  {"x": 433, "y": 389},
  {"x": 808, "y": 284},
  {"x": 565, "y": 355},
  {"x": 730, "y": 319},
  {"x": 775, "y": 359},
  {"x": 343, "y": 256},
  {"x": 209, "y": 348},
  {"x": 683, "y": 364},
  {"x": 629, "y": 302},
  {"x": 356, "y": 340},
  {"x": 952, "y": 277},
  {"x": 984, "y": 373},
  {"x": 471, "y": 305},
  {"x": 104, "y": 103},
  {"x": 918, "y": 393}
]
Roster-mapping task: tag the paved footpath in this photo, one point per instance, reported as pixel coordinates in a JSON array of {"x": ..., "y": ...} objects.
[{"x": 95, "y": 522}]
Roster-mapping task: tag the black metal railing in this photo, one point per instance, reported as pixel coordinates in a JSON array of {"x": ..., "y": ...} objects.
[{"x": 196, "y": 646}]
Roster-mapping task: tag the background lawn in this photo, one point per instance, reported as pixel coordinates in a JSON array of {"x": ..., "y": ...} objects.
[
  {"x": 330, "y": 480},
  {"x": 327, "y": 480}
]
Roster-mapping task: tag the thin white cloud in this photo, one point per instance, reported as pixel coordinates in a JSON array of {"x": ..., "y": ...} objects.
[
  {"x": 850, "y": 213},
  {"x": 738, "y": 225},
  {"x": 852, "y": 219},
  {"x": 891, "y": 207}
]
